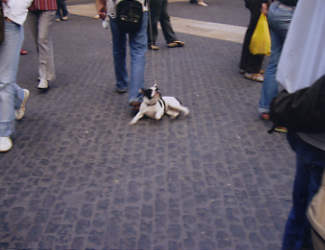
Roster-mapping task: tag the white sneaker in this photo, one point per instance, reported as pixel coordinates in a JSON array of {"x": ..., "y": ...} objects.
[
  {"x": 254, "y": 77},
  {"x": 43, "y": 84},
  {"x": 5, "y": 144},
  {"x": 19, "y": 113}
]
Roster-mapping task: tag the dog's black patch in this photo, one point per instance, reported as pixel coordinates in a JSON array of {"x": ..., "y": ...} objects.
[{"x": 147, "y": 93}]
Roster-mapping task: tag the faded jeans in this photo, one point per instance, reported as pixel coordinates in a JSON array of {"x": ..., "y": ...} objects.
[
  {"x": 279, "y": 20},
  {"x": 11, "y": 95},
  {"x": 138, "y": 49}
]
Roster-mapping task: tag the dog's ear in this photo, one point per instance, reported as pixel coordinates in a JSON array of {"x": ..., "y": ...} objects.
[{"x": 141, "y": 91}]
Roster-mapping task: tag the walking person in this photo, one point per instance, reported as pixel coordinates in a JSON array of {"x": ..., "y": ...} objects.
[
  {"x": 250, "y": 65},
  {"x": 138, "y": 48},
  {"x": 298, "y": 69},
  {"x": 159, "y": 13},
  {"x": 40, "y": 20},
  {"x": 12, "y": 97},
  {"x": 62, "y": 11}
]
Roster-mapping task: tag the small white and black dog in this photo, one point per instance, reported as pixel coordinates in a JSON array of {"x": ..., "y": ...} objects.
[{"x": 155, "y": 106}]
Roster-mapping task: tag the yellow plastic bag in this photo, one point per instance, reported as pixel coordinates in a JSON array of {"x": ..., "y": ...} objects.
[{"x": 261, "y": 40}]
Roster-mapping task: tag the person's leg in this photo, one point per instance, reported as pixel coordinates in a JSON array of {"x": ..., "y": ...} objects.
[
  {"x": 294, "y": 233},
  {"x": 270, "y": 85},
  {"x": 279, "y": 21},
  {"x": 152, "y": 31},
  {"x": 45, "y": 46},
  {"x": 251, "y": 63},
  {"x": 166, "y": 26},
  {"x": 138, "y": 48},
  {"x": 58, "y": 15},
  {"x": 309, "y": 168},
  {"x": 32, "y": 22},
  {"x": 65, "y": 11},
  {"x": 119, "y": 53},
  {"x": 9, "y": 60},
  {"x": 97, "y": 5}
]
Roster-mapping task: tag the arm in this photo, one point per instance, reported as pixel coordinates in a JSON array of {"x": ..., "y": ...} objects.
[
  {"x": 264, "y": 8},
  {"x": 102, "y": 10}
]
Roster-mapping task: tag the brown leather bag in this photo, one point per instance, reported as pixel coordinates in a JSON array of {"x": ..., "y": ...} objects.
[{"x": 2, "y": 24}]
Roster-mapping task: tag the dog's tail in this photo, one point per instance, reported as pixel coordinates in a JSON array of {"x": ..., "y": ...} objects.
[{"x": 185, "y": 110}]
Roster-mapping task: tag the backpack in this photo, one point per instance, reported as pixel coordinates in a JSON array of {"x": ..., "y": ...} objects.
[
  {"x": 129, "y": 14},
  {"x": 301, "y": 111}
]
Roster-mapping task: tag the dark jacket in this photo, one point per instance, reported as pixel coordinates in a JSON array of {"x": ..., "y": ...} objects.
[{"x": 289, "y": 2}]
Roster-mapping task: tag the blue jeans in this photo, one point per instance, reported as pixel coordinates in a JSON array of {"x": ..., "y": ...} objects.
[
  {"x": 138, "y": 49},
  {"x": 279, "y": 20},
  {"x": 310, "y": 167},
  {"x": 11, "y": 95}
]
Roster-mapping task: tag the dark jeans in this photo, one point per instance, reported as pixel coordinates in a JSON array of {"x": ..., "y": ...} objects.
[
  {"x": 159, "y": 12},
  {"x": 309, "y": 171},
  {"x": 249, "y": 62},
  {"x": 61, "y": 6}
]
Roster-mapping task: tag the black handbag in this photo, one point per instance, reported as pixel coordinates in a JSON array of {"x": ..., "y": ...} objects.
[{"x": 2, "y": 24}]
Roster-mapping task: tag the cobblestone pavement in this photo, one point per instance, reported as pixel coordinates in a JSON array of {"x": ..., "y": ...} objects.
[{"x": 79, "y": 177}]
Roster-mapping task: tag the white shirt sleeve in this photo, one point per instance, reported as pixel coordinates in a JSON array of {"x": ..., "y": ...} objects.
[{"x": 16, "y": 10}]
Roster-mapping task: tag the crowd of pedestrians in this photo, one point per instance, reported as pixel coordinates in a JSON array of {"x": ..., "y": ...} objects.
[{"x": 310, "y": 149}]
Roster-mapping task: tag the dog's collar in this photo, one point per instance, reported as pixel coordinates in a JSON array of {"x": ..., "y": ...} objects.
[{"x": 161, "y": 103}]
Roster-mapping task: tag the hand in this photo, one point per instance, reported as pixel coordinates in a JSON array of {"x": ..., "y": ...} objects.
[
  {"x": 102, "y": 11},
  {"x": 264, "y": 8}
]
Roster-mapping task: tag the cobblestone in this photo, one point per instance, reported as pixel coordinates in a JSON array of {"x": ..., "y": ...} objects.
[{"x": 79, "y": 177}]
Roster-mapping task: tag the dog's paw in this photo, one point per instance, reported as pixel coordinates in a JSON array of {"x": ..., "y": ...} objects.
[
  {"x": 132, "y": 122},
  {"x": 174, "y": 115},
  {"x": 186, "y": 112}
]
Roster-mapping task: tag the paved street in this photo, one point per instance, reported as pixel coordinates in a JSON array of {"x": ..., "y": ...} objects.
[{"x": 79, "y": 177}]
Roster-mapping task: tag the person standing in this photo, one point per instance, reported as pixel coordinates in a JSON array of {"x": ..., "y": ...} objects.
[
  {"x": 159, "y": 13},
  {"x": 40, "y": 20},
  {"x": 61, "y": 7},
  {"x": 298, "y": 69},
  {"x": 138, "y": 49},
  {"x": 279, "y": 18},
  {"x": 12, "y": 97},
  {"x": 250, "y": 65}
]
